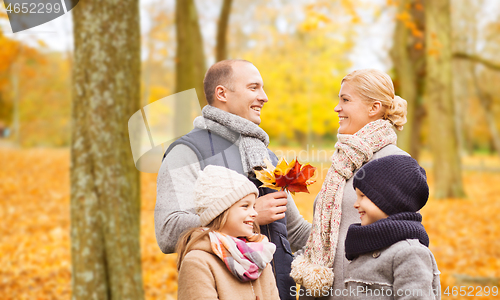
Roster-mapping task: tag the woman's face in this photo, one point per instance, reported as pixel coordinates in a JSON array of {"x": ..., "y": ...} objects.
[{"x": 354, "y": 113}]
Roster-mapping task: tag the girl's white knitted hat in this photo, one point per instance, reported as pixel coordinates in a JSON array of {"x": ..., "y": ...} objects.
[{"x": 217, "y": 189}]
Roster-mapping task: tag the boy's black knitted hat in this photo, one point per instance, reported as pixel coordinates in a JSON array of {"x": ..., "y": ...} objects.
[{"x": 395, "y": 183}]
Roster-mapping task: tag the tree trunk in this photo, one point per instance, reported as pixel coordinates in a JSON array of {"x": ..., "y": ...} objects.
[
  {"x": 490, "y": 119},
  {"x": 190, "y": 62},
  {"x": 221, "y": 48},
  {"x": 16, "y": 122},
  {"x": 146, "y": 69},
  {"x": 461, "y": 98},
  {"x": 408, "y": 56},
  {"x": 485, "y": 100},
  {"x": 105, "y": 199},
  {"x": 447, "y": 165}
]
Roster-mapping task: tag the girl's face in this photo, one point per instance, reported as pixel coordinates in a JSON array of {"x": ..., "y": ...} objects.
[
  {"x": 354, "y": 113},
  {"x": 368, "y": 211},
  {"x": 240, "y": 218}
]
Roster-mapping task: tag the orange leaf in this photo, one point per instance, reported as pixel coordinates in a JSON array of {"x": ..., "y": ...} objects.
[{"x": 296, "y": 179}]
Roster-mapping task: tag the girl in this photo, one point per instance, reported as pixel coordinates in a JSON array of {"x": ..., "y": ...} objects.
[{"x": 226, "y": 258}]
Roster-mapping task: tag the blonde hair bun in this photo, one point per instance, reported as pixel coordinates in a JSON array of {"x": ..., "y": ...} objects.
[{"x": 397, "y": 112}]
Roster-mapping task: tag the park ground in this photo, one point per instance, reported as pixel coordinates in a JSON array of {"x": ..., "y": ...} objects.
[{"x": 35, "y": 221}]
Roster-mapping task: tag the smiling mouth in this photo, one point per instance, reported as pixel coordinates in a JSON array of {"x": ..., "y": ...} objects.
[
  {"x": 249, "y": 223},
  {"x": 256, "y": 108},
  {"x": 342, "y": 118}
]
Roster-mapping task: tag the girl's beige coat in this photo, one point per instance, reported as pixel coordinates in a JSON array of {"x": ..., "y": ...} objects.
[{"x": 203, "y": 275}]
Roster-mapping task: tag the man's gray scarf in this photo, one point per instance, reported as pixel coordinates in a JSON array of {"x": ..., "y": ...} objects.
[{"x": 251, "y": 140}]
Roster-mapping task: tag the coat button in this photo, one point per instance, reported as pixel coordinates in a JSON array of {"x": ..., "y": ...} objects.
[{"x": 376, "y": 254}]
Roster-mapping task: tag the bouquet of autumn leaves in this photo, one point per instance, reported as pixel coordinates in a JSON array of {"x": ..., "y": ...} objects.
[{"x": 292, "y": 177}]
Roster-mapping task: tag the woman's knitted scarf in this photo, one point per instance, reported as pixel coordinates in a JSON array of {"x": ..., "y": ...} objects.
[
  {"x": 251, "y": 140},
  {"x": 245, "y": 260},
  {"x": 313, "y": 269},
  {"x": 384, "y": 233}
]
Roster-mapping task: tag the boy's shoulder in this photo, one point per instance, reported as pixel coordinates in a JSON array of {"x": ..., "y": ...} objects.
[
  {"x": 411, "y": 248},
  {"x": 383, "y": 261},
  {"x": 408, "y": 243},
  {"x": 407, "y": 247}
]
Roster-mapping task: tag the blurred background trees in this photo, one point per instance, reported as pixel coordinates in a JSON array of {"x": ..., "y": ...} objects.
[
  {"x": 476, "y": 67},
  {"x": 447, "y": 71},
  {"x": 34, "y": 93},
  {"x": 303, "y": 50}
]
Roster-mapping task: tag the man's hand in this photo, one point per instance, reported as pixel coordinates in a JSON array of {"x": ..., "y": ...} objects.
[{"x": 271, "y": 207}]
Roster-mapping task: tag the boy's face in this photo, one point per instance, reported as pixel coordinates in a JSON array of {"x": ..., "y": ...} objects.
[
  {"x": 241, "y": 217},
  {"x": 368, "y": 212}
]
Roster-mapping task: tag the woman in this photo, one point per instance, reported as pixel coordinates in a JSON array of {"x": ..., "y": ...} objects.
[{"x": 368, "y": 111}]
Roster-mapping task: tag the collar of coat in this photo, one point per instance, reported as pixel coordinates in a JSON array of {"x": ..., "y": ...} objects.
[{"x": 384, "y": 233}]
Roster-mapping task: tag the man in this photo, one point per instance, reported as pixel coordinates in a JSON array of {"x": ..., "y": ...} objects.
[{"x": 228, "y": 135}]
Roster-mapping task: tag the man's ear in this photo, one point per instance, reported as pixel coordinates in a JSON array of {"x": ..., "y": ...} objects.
[
  {"x": 221, "y": 94},
  {"x": 375, "y": 109}
]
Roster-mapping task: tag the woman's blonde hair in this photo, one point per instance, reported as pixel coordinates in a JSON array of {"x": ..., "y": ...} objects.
[
  {"x": 185, "y": 242},
  {"x": 374, "y": 85}
]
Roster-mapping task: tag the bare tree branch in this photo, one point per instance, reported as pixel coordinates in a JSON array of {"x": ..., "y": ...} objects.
[{"x": 475, "y": 58}]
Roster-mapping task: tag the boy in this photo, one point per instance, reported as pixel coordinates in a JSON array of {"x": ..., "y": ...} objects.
[{"x": 389, "y": 248}]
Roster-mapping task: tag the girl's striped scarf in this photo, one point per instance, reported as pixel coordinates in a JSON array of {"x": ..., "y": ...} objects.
[
  {"x": 313, "y": 269},
  {"x": 245, "y": 260}
]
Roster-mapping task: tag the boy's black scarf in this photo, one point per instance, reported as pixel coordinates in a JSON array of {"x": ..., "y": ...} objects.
[{"x": 384, "y": 233}]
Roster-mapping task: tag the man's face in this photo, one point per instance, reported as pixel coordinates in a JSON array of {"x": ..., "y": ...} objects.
[{"x": 248, "y": 96}]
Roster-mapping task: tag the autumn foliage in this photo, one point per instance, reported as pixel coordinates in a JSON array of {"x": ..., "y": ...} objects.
[
  {"x": 292, "y": 177},
  {"x": 35, "y": 226},
  {"x": 35, "y": 243},
  {"x": 37, "y": 82}
]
